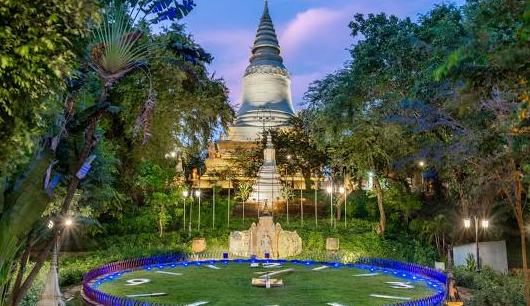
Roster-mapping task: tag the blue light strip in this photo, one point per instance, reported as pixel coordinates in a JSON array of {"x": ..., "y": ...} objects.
[{"x": 410, "y": 272}]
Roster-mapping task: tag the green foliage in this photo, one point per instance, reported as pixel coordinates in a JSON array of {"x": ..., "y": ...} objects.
[
  {"x": 298, "y": 143},
  {"x": 38, "y": 51},
  {"x": 491, "y": 288},
  {"x": 73, "y": 267}
]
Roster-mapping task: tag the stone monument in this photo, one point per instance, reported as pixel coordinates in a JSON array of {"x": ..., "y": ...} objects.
[
  {"x": 52, "y": 292},
  {"x": 265, "y": 237}
]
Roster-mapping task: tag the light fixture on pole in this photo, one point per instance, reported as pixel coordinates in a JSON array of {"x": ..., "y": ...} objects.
[
  {"x": 342, "y": 191},
  {"x": 316, "y": 208},
  {"x": 485, "y": 223},
  {"x": 198, "y": 195},
  {"x": 185, "y": 194},
  {"x": 301, "y": 203},
  {"x": 329, "y": 189}
]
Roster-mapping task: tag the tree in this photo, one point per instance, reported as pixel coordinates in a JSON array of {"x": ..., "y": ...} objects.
[
  {"x": 114, "y": 52},
  {"x": 298, "y": 142},
  {"x": 39, "y": 51},
  {"x": 244, "y": 189}
]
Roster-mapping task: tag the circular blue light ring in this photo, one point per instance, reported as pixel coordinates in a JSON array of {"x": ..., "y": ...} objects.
[{"x": 110, "y": 272}]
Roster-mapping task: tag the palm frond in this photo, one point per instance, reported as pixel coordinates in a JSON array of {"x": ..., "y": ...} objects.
[{"x": 116, "y": 49}]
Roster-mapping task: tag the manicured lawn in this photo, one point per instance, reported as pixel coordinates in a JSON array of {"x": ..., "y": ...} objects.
[{"x": 231, "y": 285}]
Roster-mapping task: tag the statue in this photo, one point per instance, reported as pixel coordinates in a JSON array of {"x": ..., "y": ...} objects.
[{"x": 265, "y": 237}]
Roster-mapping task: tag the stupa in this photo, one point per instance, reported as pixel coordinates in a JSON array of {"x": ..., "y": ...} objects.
[
  {"x": 267, "y": 187},
  {"x": 266, "y": 100},
  {"x": 266, "y": 103}
]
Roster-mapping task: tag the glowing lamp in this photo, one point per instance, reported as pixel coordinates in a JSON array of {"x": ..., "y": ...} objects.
[{"x": 467, "y": 223}]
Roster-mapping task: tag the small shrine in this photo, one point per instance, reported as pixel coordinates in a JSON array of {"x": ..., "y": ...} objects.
[{"x": 265, "y": 240}]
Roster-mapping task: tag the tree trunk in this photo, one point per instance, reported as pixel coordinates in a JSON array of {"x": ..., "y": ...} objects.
[
  {"x": 16, "y": 299},
  {"x": 23, "y": 263},
  {"x": 382, "y": 218}
]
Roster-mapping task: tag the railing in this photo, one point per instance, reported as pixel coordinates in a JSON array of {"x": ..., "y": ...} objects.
[{"x": 96, "y": 297}]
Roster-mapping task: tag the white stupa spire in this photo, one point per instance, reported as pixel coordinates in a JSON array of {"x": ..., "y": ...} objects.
[
  {"x": 267, "y": 187},
  {"x": 52, "y": 292}
]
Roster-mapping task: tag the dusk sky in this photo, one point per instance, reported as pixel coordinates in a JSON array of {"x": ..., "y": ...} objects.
[{"x": 314, "y": 34}]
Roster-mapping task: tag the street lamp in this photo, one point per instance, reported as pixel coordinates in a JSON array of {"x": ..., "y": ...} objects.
[
  {"x": 329, "y": 189},
  {"x": 342, "y": 191},
  {"x": 485, "y": 223},
  {"x": 185, "y": 194},
  {"x": 198, "y": 195},
  {"x": 69, "y": 222}
]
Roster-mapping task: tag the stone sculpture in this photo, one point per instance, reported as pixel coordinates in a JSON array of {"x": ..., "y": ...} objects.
[{"x": 263, "y": 238}]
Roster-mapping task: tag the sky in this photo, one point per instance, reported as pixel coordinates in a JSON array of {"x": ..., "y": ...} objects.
[{"x": 313, "y": 34}]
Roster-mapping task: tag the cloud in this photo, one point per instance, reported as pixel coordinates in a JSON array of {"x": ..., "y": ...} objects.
[
  {"x": 315, "y": 25},
  {"x": 232, "y": 50}
]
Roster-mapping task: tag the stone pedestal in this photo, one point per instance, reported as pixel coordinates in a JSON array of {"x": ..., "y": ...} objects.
[
  {"x": 198, "y": 245},
  {"x": 265, "y": 237},
  {"x": 332, "y": 244}
]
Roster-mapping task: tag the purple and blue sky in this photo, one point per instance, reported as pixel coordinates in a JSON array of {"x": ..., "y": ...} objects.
[{"x": 314, "y": 34}]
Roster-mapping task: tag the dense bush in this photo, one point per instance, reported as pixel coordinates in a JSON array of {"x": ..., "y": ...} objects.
[
  {"x": 491, "y": 288},
  {"x": 73, "y": 267}
]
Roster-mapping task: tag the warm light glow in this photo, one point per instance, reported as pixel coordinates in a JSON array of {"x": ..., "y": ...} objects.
[
  {"x": 421, "y": 163},
  {"x": 185, "y": 193},
  {"x": 485, "y": 223},
  {"x": 467, "y": 223},
  {"x": 50, "y": 224},
  {"x": 329, "y": 189},
  {"x": 197, "y": 193},
  {"x": 289, "y": 157},
  {"x": 342, "y": 190},
  {"x": 69, "y": 222},
  {"x": 173, "y": 154}
]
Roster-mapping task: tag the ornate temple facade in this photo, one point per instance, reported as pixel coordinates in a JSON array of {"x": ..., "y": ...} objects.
[{"x": 266, "y": 103}]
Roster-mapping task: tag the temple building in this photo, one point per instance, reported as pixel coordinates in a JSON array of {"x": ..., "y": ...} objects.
[{"x": 266, "y": 103}]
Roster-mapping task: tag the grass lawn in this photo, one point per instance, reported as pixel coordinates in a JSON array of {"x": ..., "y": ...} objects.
[{"x": 231, "y": 285}]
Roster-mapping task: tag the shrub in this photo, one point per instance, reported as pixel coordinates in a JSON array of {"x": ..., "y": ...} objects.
[
  {"x": 491, "y": 288},
  {"x": 73, "y": 267}
]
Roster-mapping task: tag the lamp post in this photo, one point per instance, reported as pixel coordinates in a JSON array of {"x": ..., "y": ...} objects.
[
  {"x": 342, "y": 191},
  {"x": 191, "y": 214},
  {"x": 228, "y": 211},
  {"x": 198, "y": 195},
  {"x": 329, "y": 189},
  {"x": 422, "y": 165},
  {"x": 316, "y": 209},
  {"x": 289, "y": 157},
  {"x": 301, "y": 203},
  {"x": 185, "y": 194},
  {"x": 485, "y": 223}
]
